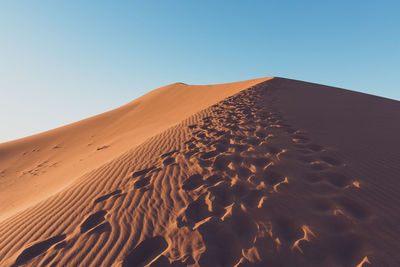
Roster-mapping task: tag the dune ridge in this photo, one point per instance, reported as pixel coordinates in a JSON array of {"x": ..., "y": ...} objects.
[{"x": 252, "y": 176}]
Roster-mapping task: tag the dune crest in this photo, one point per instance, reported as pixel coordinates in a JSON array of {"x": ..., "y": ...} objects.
[{"x": 264, "y": 172}]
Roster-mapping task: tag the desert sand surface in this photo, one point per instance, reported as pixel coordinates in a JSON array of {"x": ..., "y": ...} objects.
[{"x": 264, "y": 172}]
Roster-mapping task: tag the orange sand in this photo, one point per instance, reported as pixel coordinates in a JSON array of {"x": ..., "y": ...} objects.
[{"x": 265, "y": 172}]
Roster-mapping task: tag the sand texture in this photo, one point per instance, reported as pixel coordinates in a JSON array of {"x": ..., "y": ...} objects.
[{"x": 265, "y": 172}]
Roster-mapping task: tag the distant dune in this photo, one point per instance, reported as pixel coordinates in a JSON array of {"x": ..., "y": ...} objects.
[{"x": 264, "y": 172}]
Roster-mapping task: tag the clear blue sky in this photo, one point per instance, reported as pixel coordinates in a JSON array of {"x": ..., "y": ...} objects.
[{"x": 62, "y": 61}]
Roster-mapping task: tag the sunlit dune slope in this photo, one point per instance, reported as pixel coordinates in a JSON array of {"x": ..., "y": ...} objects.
[
  {"x": 38, "y": 166},
  {"x": 267, "y": 172}
]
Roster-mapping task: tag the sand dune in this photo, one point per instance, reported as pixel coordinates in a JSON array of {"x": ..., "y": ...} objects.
[{"x": 265, "y": 172}]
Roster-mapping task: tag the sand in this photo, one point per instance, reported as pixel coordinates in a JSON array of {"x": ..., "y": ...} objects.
[{"x": 265, "y": 172}]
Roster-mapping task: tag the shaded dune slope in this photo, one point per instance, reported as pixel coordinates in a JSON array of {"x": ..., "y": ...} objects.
[{"x": 268, "y": 175}]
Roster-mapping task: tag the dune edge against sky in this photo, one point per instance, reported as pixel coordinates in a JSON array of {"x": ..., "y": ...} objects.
[{"x": 271, "y": 171}]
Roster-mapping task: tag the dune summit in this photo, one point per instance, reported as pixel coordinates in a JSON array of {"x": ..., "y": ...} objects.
[{"x": 265, "y": 172}]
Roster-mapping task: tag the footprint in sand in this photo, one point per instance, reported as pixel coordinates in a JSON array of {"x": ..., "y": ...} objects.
[
  {"x": 331, "y": 161},
  {"x": 193, "y": 182},
  {"x": 222, "y": 194},
  {"x": 195, "y": 212},
  {"x": 95, "y": 223},
  {"x": 336, "y": 179},
  {"x": 144, "y": 253},
  {"x": 37, "y": 249},
  {"x": 115, "y": 193},
  {"x": 273, "y": 177},
  {"x": 143, "y": 172},
  {"x": 352, "y": 208},
  {"x": 168, "y": 161},
  {"x": 252, "y": 198},
  {"x": 213, "y": 179},
  {"x": 169, "y": 153},
  {"x": 314, "y": 147},
  {"x": 142, "y": 182},
  {"x": 210, "y": 154},
  {"x": 287, "y": 230}
]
